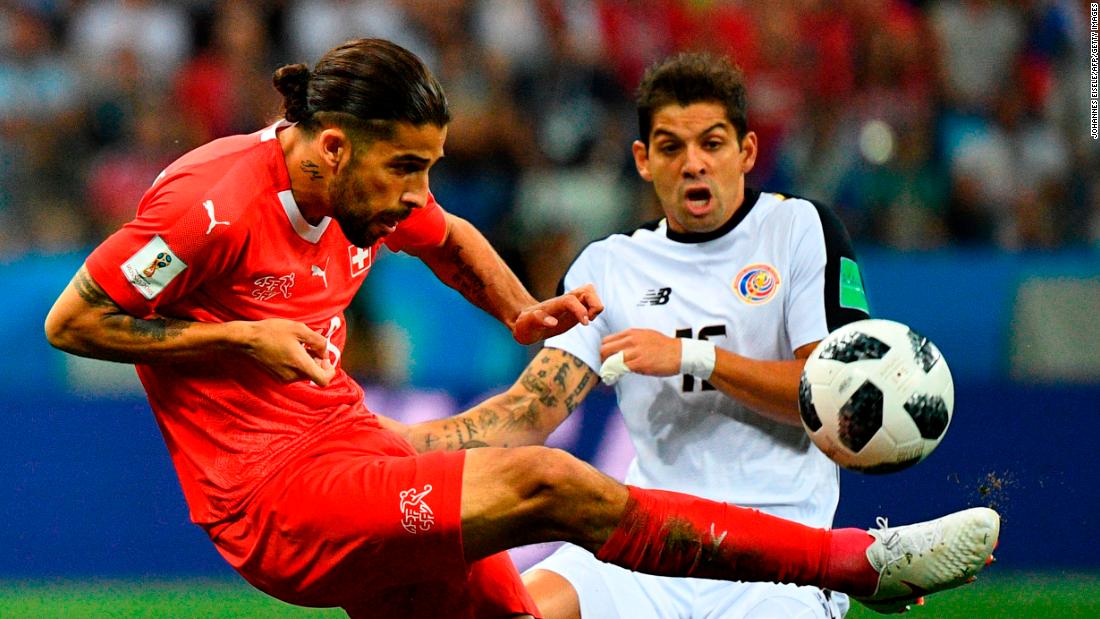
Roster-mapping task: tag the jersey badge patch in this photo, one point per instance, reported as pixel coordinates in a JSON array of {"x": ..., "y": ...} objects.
[
  {"x": 360, "y": 260},
  {"x": 152, "y": 268},
  {"x": 852, "y": 295},
  {"x": 756, "y": 284},
  {"x": 416, "y": 516},
  {"x": 270, "y": 286}
]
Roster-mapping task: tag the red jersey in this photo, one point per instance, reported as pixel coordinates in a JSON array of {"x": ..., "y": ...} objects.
[{"x": 219, "y": 237}]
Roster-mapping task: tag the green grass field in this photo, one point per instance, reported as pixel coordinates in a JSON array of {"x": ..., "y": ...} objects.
[{"x": 1004, "y": 595}]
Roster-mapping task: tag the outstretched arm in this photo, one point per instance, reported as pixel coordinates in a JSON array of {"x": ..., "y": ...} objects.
[
  {"x": 547, "y": 391},
  {"x": 769, "y": 387},
  {"x": 467, "y": 262},
  {"x": 85, "y": 321}
]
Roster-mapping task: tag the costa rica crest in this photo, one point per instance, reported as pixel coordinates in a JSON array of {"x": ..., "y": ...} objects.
[{"x": 756, "y": 283}]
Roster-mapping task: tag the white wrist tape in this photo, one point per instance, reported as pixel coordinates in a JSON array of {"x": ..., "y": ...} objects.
[
  {"x": 697, "y": 357},
  {"x": 614, "y": 368}
]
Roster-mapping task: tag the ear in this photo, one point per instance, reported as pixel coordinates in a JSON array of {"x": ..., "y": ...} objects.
[
  {"x": 748, "y": 152},
  {"x": 641, "y": 160},
  {"x": 335, "y": 148}
]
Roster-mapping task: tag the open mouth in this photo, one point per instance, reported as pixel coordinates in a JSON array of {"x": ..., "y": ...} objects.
[
  {"x": 390, "y": 220},
  {"x": 697, "y": 198}
]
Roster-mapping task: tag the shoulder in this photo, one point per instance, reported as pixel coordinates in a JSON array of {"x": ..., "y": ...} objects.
[
  {"x": 227, "y": 176},
  {"x": 804, "y": 213},
  {"x": 592, "y": 259},
  {"x": 645, "y": 234}
]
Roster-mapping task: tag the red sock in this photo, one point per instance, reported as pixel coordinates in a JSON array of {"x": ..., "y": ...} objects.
[{"x": 674, "y": 534}]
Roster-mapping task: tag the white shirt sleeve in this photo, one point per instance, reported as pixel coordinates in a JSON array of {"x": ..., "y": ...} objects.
[
  {"x": 583, "y": 341},
  {"x": 805, "y": 310}
]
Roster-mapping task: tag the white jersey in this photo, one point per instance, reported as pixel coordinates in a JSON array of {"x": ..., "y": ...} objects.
[{"x": 778, "y": 275}]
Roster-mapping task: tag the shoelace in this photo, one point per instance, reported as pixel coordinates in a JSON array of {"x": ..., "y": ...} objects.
[{"x": 898, "y": 546}]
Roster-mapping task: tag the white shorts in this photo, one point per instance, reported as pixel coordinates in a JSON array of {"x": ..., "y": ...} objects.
[{"x": 608, "y": 591}]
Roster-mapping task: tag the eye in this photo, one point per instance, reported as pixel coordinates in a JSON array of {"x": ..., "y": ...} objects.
[
  {"x": 407, "y": 168},
  {"x": 713, "y": 144},
  {"x": 668, "y": 148}
]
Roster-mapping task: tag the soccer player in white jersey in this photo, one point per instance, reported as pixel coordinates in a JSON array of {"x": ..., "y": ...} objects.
[
  {"x": 709, "y": 316},
  {"x": 711, "y": 312}
]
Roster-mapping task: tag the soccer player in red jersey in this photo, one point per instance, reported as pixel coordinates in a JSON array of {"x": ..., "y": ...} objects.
[{"x": 227, "y": 292}]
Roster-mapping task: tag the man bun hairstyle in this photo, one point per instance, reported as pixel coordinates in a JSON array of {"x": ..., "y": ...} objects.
[
  {"x": 292, "y": 81},
  {"x": 363, "y": 85},
  {"x": 692, "y": 77}
]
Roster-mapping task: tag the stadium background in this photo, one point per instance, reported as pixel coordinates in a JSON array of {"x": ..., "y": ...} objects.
[{"x": 951, "y": 136}]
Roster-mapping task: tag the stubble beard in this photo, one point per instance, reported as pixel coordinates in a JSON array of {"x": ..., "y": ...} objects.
[{"x": 344, "y": 193}]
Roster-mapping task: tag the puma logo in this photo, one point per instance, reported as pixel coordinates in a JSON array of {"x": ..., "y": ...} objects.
[
  {"x": 317, "y": 271},
  {"x": 209, "y": 206}
]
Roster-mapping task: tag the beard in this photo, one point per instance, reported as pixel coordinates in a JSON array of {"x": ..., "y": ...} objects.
[{"x": 345, "y": 192}]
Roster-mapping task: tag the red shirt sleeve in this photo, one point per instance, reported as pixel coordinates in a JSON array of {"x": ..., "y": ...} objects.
[
  {"x": 169, "y": 249},
  {"x": 425, "y": 227}
]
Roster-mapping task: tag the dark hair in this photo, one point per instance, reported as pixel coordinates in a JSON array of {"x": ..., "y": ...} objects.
[
  {"x": 688, "y": 78},
  {"x": 364, "y": 85}
]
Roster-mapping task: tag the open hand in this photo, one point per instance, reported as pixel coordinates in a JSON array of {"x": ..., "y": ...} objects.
[{"x": 557, "y": 315}]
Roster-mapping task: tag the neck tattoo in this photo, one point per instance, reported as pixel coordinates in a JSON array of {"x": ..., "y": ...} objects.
[{"x": 312, "y": 169}]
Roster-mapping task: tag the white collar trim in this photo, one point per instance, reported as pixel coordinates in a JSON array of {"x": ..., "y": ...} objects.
[
  {"x": 270, "y": 132},
  {"x": 304, "y": 229}
]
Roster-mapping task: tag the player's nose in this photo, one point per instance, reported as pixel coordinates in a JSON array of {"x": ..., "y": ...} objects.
[
  {"x": 695, "y": 164},
  {"x": 416, "y": 195}
]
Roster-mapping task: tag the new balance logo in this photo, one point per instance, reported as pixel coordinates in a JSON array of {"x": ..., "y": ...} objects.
[{"x": 656, "y": 296}]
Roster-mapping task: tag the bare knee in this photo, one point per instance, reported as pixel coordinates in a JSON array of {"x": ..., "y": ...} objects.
[{"x": 553, "y": 594}]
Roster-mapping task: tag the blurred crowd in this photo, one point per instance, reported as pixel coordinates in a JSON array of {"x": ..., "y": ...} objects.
[{"x": 924, "y": 123}]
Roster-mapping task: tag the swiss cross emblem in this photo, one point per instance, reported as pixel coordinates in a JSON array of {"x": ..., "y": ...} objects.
[{"x": 360, "y": 260}]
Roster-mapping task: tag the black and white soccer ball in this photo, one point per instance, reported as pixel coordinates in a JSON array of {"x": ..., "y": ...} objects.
[{"x": 876, "y": 397}]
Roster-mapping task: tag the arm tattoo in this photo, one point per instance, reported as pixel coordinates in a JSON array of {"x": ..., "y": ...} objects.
[
  {"x": 525, "y": 413},
  {"x": 465, "y": 280},
  {"x": 559, "y": 377},
  {"x": 488, "y": 418},
  {"x": 536, "y": 384},
  {"x": 571, "y": 402},
  {"x": 158, "y": 329},
  {"x": 312, "y": 169},
  {"x": 90, "y": 291}
]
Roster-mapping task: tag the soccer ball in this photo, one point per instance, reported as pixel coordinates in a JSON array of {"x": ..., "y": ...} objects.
[{"x": 875, "y": 396}]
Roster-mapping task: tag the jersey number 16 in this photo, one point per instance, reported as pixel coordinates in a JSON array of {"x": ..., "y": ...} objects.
[{"x": 704, "y": 334}]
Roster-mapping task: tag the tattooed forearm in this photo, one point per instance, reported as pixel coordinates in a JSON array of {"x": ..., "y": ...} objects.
[
  {"x": 159, "y": 329},
  {"x": 545, "y": 394},
  {"x": 465, "y": 280},
  {"x": 536, "y": 384},
  {"x": 525, "y": 413},
  {"x": 487, "y": 418},
  {"x": 560, "y": 376},
  {"x": 467, "y": 431},
  {"x": 571, "y": 400},
  {"x": 312, "y": 169},
  {"x": 90, "y": 291}
]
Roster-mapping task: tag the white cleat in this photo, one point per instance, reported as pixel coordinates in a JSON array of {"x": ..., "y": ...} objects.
[{"x": 926, "y": 557}]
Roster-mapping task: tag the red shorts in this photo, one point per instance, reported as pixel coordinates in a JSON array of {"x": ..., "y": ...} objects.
[{"x": 363, "y": 522}]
